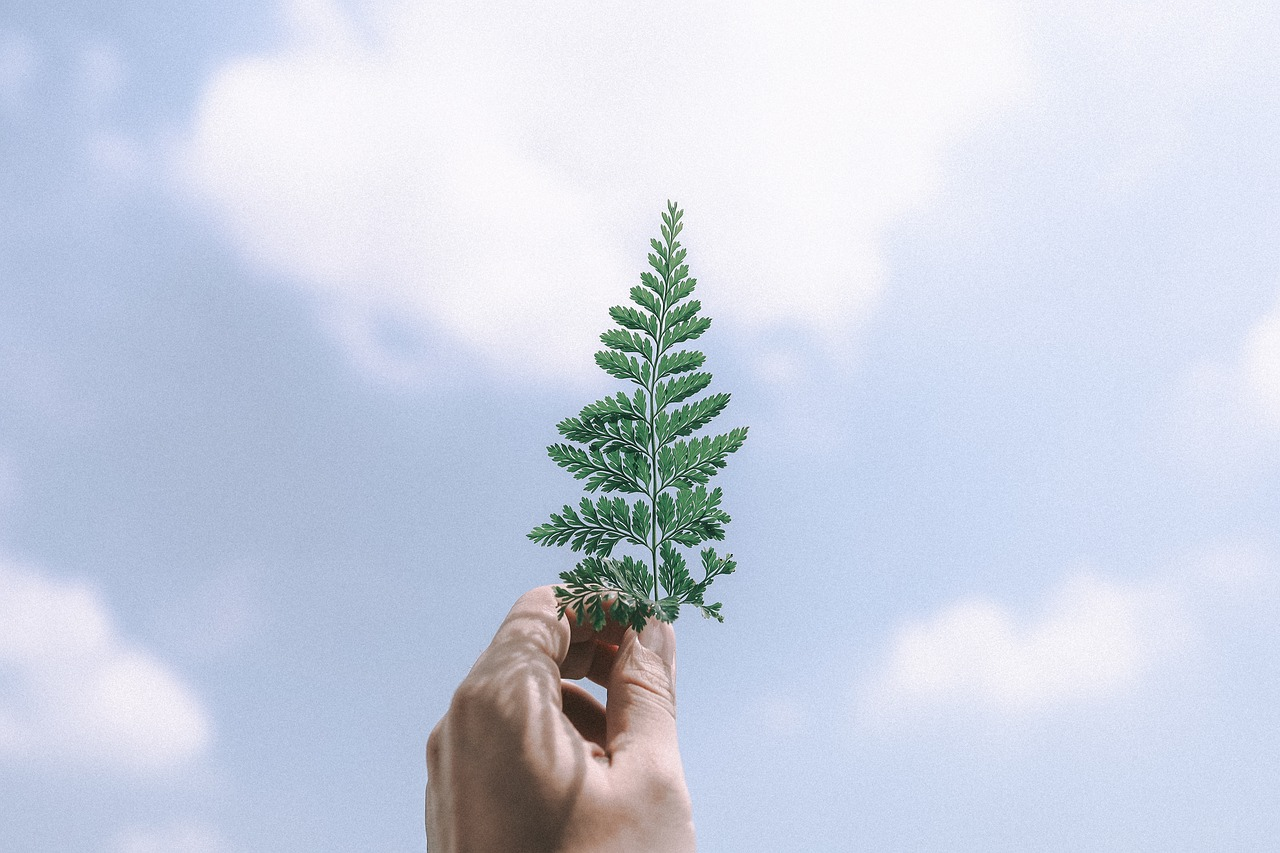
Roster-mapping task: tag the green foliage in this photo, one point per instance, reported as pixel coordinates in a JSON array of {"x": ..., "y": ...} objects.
[{"x": 635, "y": 444}]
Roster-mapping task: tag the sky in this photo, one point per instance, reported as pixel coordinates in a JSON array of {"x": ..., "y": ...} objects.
[{"x": 293, "y": 293}]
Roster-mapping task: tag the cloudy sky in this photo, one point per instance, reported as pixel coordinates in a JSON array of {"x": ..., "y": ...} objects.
[{"x": 293, "y": 293}]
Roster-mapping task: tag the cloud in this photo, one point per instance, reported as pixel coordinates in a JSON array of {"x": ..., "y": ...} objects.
[
  {"x": 492, "y": 174},
  {"x": 1260, "y": 366},
  {"x": 178, "y": 837},
  {"x": 79, "y": 693},
  {"x": 1093, "y": 640},
  {"x": 1226, "y": 412}
]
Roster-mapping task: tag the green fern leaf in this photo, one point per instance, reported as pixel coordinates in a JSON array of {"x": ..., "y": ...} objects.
[
  {"x": 637, "y": 444},
  {"x": 683, "y": 361}
]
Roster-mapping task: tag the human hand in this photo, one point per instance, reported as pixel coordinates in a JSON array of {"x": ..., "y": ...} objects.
[{"x": 524, "y": 761}]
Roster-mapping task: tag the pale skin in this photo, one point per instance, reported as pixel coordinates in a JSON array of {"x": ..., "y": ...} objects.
[{"x": 525, "y": 760}]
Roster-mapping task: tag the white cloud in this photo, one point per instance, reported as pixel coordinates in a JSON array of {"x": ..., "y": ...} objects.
[
  {"x": 1227, "y": 411},
  {"x": 1260, "y": 366},
  {"x": 1240, "y": 569},
  {"x": 1094, "y": 639},
  {"x": 493, "y": 173},
  {"x": 77, "y": 692},
  {"x": 178, "y": 837}
]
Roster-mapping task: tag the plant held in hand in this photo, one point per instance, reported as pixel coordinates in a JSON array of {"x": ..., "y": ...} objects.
[{"x": 643, "y": 444}]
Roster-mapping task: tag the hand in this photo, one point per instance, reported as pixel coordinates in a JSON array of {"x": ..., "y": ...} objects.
[{"x": 524, "y": 761}]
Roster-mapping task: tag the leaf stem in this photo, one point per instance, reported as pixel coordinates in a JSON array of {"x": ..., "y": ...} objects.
[{"x": 653, "y": 428}]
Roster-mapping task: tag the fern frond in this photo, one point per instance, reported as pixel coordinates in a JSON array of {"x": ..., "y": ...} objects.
[
  {"x": 684, "y": 464},
  {"x": 620, "y": 407},
  {"x": 638, "y": 444},
  {"x": 685, "y": 331},
  {"x": 628, "y": 342},
  {"x": 646, "y": 299},
  {"x": 680, "y": 362},
  {"x": 630, "y": 318},
  {"x": 679, "y": 314},
  {"x": 697, "y": 517},
  {"x": 689, "y": 418},
  {"x": 617, "y": 471},
  {"x": 598, "y": 584},
  {"x": 594, "y": 528},
  {"x": 622, "y": 366},
  {"x": 680, "y": 290},
  {"x": 680, "y": 389}
]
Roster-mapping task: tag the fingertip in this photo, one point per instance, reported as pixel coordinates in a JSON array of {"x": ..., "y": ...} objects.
[
  {"x": 642, "y": 696},
  {"x": 660, "y": 638},
  {"x": 580, "y": 632},
  {"x": 535, "y": 616}
]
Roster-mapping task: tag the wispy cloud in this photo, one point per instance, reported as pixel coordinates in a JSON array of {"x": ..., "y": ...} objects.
[
  {"x": 1093, "y": 639},
  {"x": 177, "y": 837},
  {"x": 486, "y": 172},
  {"x": 1260, "y": 366},
  {"x": 77, "y": 692},
  {"x": 1227, "y": 413}
]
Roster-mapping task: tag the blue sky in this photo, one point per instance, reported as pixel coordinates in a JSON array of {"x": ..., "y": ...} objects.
[{"x": 292, "y": 295}]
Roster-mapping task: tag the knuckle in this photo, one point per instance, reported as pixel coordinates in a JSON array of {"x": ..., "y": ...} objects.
[
  {"x": 481, "y": 710},
  {"x": 653, "y": 683},
  {"x": 664, "y": 792},
  {"x": 435, "y": 746},
  {"x": 540, "y": 597},
  {"x": 469, "y": 701}
]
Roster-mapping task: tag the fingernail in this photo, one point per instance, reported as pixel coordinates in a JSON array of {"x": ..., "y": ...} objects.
[{"x": 660, "y": 638}]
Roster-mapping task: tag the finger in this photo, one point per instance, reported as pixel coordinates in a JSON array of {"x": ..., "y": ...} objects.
[
  {"x": 531, "y": 626},
  {"x": 586, "y": 714},
  {"x": 641, "y": 710},
  {"x": 590, "y": 659},
  {"x": 602, "y": 663},
  {"x": 591, "y": 652},
  {"x": 439, "y": 795},
  {"x": 515, "y": 684},
  {"x": 531, "y": 651},
  {"x": 507, "y": 750},
  {"x": 577, "y": 662},
  {"x": 611, "y": 633}
]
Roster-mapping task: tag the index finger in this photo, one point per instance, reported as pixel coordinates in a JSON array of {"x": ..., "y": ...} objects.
[
  {"x": 533, "y": 623},
  {"x": 531, "y": 635},
  {"x": 505, "y": 728},
  {"x": 510, "y": 702},
  {"x": 532, "y": 649},
  {"x": 610, "y": 634},
  {"x": 591, "y": 652}
]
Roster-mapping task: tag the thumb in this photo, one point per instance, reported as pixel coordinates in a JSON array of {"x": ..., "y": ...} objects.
[{"x": 641, "y": 710}]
